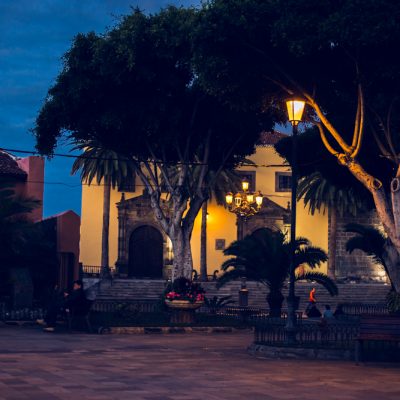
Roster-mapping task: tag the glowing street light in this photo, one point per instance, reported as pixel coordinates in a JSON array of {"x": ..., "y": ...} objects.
[{"x": 295, "y": 109}]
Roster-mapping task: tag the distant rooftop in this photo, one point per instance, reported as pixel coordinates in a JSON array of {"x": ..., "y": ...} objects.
[
  {"x": 270, "y": 138},
  {"x": 9, "y": 166}
]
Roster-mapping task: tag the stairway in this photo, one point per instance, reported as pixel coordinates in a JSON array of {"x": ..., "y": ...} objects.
[{"x": 130, "y": 289}]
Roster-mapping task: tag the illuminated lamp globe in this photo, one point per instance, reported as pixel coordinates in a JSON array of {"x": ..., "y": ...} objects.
[
  {"x": 295, "y": 109},
  {"x": 259, "y": 199}
]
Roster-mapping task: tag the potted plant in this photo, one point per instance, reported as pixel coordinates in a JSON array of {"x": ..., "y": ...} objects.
[{"x": 183, "y": 297}]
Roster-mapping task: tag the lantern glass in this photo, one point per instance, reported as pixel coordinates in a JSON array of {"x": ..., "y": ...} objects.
[
  {"x": 259, "y": 199},
  {"x": 295, "y": 109},
  {"x": 250, "y": 198},
  {"x": 238, "y": 199},
  {"x": 229, "y": 198},
  {"x": 245, "y": 185}
]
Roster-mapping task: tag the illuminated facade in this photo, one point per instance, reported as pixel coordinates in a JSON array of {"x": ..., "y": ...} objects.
[{"x": 139, "y": 248}]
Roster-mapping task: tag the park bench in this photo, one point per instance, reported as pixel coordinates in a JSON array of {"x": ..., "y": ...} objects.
[{"x": 384, "y": 328}]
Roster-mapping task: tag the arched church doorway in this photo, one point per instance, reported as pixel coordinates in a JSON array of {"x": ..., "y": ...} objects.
[{"x": 146, "y": 253}]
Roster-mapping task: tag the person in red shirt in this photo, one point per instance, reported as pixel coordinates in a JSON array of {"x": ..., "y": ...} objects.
[{"x": 312, "y": 298}]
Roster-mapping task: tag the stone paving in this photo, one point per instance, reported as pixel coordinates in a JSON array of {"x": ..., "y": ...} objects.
[{"x": 39, "y": 366}]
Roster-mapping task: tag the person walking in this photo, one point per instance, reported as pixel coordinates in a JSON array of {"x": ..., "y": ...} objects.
[{"x": 312, "y": 299}]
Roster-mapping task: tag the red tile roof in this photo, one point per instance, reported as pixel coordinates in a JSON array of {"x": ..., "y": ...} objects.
[
  {"x": 270, "y": 138},
  {"x": 9, "y": 167}
]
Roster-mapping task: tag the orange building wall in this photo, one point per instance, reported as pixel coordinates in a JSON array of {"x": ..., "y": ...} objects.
[
  {"x": 34, "y": 186},
  {"x": 221, "y": 223}
]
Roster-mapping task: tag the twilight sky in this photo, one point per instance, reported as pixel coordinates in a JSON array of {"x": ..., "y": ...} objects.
[{"x": 34, "y": 34}]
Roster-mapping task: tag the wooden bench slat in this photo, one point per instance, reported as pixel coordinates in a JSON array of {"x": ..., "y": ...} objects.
[
  {"x": 374, "y": 336},
  {"x": 377, "y": 328},
  {"x": 386, "y": 328}
]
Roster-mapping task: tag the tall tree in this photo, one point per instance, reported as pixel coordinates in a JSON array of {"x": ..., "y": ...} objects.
[
  {"x": 265, "y": 256},
  {"x": 24, "y": 244},
  {"x": 319, "y": 194},
  {"x": 216, "y": 187},
  {"x": 338, "y": 57},
  {"x": 16, "y": 230},
  {"x": 111, "y": 169},
  {"x": 136, "y": 90}
]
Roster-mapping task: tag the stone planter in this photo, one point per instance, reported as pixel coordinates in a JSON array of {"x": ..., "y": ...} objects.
[{"x": 183, "y": 311}]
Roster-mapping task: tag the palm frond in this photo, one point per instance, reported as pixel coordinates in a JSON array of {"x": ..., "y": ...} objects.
[
  {"x": 322, "y": 279},
  {"x": 97, "y": 162},
  {"x": 264, "y": 256},
  {"x": 319, "y": 194},
  {"x": 369, "y": 240},
  {"x": 228, "y": 276},
  {"x": 311, "y": 255}
]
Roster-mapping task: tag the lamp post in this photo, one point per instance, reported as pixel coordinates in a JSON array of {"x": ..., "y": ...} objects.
[
  {"x": 244, "y": 204},
  {"x": 295, "y": 110}
]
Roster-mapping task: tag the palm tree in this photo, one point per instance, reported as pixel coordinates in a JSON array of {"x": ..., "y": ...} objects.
[
  {"x": 264, "y": 256},
  {"x": 15, "y": 228},
  {"x": 113, "y": 169},
  {"x": 23, "y": 243},
  {"x": 320, "y": 194},
  {"x": 369, "y": 240}
]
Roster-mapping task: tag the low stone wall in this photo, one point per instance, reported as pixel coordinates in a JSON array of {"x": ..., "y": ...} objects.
[
  {"x": 284, "y": 352},
  {"x": 132, "y": 330}
]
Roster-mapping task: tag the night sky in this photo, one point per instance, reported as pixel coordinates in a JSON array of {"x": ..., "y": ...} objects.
[{"x": 34, "y": 34}]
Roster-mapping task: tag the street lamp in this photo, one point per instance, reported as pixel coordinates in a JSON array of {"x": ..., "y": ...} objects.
[
  {"x": 244, "y": 204},
  {"x": 295, "y": 108}
]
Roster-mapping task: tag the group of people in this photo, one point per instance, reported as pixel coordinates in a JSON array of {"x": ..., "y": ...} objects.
[
  {"x": 312, "y": 310},
  {"x": 61, "y": 301}
]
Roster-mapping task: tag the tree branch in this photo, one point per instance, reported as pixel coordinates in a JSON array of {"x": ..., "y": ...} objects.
[
  {"x": 325, "y": 140},
  {"x": 357, "y": 122},
  {"x": 345, "y": 147},
  {"x": 155, "y": 199},
  {"x": 359, "y": 133},
  {"x": 204, "y": 166}
]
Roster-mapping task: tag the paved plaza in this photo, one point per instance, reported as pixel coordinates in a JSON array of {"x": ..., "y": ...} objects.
[{"x": 39, "y": 366}]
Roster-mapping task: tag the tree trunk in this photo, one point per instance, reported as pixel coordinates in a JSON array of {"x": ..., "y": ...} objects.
[
  {"x": 203, "y": 243},
  {"x": 105, "y": 270},
  {"x": 183, "y": 263},
  {"x": 391, "y": 256},
  {"x": 332, "y": 243},
  {"x": 275, "y": 300}
]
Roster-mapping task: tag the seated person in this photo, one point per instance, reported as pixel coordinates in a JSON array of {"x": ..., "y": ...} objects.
[
  {"x": 76, "y": 301},
  {"x": 339, "y": 311},
  {"x": 328, "y": 314}
]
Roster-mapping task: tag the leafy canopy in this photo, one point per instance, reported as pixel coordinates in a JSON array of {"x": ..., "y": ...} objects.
[
  {"x": 136, "y": 90},
  {"x": 261, "y": 52}
]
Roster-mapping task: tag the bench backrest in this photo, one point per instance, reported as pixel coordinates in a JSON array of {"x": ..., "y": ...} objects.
[{"x": 379, "y": 327}]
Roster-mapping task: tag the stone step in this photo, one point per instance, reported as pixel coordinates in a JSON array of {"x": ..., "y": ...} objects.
[{"x": 129, "y": 289}]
